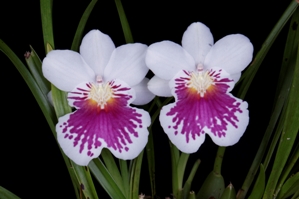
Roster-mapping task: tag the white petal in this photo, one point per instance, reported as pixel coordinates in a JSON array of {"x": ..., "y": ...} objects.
[
  {"x": 127, "y": 64},
  {"x": 166, "y": 58},
  {"x": 233, "y": 134},
  {"x": 96, "y": 49},
  {"x": 232, "y": 53},
  {"x": 143, "y": 95},
  {"x": 235, "y": 77},
  {"x": 66, "y": 69},
  {"x": 197, "y": 41},
  {"x": 159, "y": 87}
]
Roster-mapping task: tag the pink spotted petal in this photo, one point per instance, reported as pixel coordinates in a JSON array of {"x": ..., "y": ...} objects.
[
  {"x": 120, "y": 128},
  {"x": 217, "y": 113}
]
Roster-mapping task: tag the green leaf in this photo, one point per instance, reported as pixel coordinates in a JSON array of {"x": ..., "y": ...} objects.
[
  {"x": 125, "y": 176},
  {"x": 41, "y": 99},
  {"x": 35, "y": 66},
  {"x": 275, "y": 115},
  {"x": 5, "y": 194},
  {"x": 150, "y": 153},
  {"x": 229, "y": 192},
  {"x": 85, "y": 181},
  {"x": 290, "y": 187},
  {"x": 259, "y": 186},
  {"x": 289, "y": 134},
  {"x": 81, "y": 26},
  {"x": 46, "y": 16},
  {"x": 181, "y": 165},
  {"x": 112, "y": 168},
  {"x": 103, "y": 176},
  {"x": 135, "y": 176},
  {"x": 187, "y": 185},
  {"x": 60, "y": 102},
  {"x": 124, "y": 22},
  {"x": 175, "y": 154},
  {"x": 253, "y": 68}
]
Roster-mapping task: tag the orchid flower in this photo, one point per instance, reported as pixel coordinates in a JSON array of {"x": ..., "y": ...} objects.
[
  {"x": 102, "y": 81},
  {"x": 200, "y": 75}
]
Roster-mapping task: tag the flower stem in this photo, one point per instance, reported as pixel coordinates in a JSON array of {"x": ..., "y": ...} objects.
[{"x": 218, "y": 160}]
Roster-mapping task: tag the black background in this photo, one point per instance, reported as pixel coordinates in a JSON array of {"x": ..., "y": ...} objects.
[{"x": 30, "y": 163}]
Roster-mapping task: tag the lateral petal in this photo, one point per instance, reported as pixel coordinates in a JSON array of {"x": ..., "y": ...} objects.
[
  {"x": 159, "y": 87},
  {"x": 143, "y": 95},
  {"x": 233, "y": 53},
  {"x": 166, "y": 58},
  {"x": 127, "y": 64},
  {"x": 66, "y": 69}
]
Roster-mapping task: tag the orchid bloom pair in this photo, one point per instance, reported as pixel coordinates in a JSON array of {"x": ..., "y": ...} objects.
[{"x": 102, "y": 81}]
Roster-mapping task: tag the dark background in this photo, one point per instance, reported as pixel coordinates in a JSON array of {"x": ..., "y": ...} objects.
[{"x": 31, "y": 165}]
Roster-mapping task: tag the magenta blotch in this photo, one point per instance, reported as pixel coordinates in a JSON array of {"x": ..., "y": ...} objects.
[
  {"x": 194, "y": 113},
  {"x": 113, "y": 124}
]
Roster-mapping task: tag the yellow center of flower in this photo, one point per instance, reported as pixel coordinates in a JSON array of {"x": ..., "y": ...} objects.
[
  {"x": 101, "y": 92},
  {"x": 200, "y": 80}
]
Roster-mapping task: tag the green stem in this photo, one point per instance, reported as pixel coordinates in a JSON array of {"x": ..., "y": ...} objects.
[{"x": 218, "y": 160}]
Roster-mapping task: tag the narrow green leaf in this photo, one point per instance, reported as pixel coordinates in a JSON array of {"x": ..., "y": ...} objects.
[
  {"x": 253, "y": 68},
  {"x": 81, "y": 26},
  {"x": 41, "y": 99},
  {"x": 46, "y": 16},
  {"x": 124, "y": 22},
  {"x": 175, "y": 154},
  {"x": 187, "y": 185},
  {"x": 125, "y": 176},
  {"x": 277, "y": 134},
  {"x": 150, "y": 154},
  {"x": 181, "y": 168},
  {"x": 289, "y": 133},
  {"x": 296, "y": 195},
  {"x": 103, "y": 176},
  {"x": 259, "y": 186},
  {"x": 60, "y": 102},
  {"x": 112, "y": 168},
  {"x": 293, "y": 159},
  {"x": 290, "y": 187},
  {"x": 85, "y": 181},
  {"x": 290, "y": 47},
  {"x": 135, "y": 176},
  {"x": 272, "y": 123},
  {"x": 229, "y": 192},
  {"x": 5, "y": 194},
  {"x": 35, "y": 67}
]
